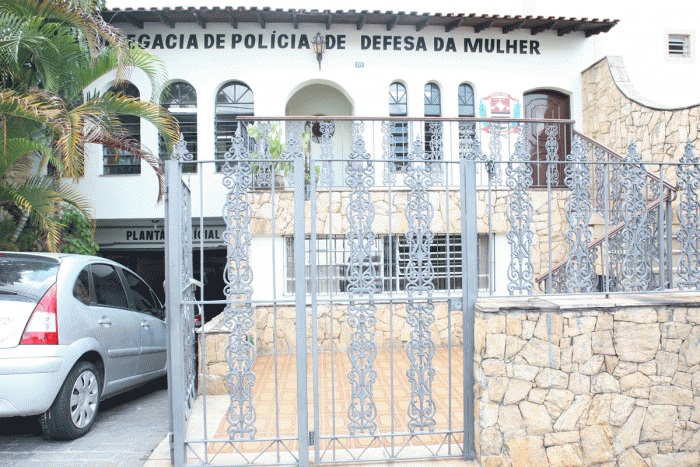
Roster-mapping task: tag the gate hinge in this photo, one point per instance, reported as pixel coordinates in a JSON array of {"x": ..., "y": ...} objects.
[{"x": 312, "y": 436}]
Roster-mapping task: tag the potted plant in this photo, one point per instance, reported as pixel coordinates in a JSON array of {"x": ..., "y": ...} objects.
[
  {"x": 273, "y": 168},
  {"x": 267, "y": 164}
]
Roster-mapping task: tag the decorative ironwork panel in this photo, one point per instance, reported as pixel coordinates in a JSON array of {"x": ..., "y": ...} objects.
[
  {"x": 580, "y": 269},
  {"x": 435, "y": 144},
  {"x": 552, "y": 146},
  {"x": 469, "y": 143},
  {"x": 388, "y": 151},
  {"x": 264, "y": 174},
  {"x": 362, "y": 285},
  {"x": 188, "y": 295},
  {"x": 519, "y": 212},
  {"x": 688, "y": 180},
  {"x": 615, "y": 208},
  {"x": 180, "y": 152},
  {"x": 419, "y": 281},
  {"x": 495, "y": 147},
  {"x": 327, "y": 130},
  {"x": 635, "y": 236},
  {"x": 653, "y": 251},
  {"x": 600, "y": 180},
  {"x": 238, "y": 315}
]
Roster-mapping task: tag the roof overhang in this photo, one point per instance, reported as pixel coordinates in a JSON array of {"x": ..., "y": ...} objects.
[{"x": 140, "y": 17}]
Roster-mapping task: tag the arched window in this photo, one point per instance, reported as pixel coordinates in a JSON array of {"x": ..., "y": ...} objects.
[
  {"x": 120, "y": 162},
  {"x": 233, "y": 100},
  {"x": 465, "y": 108},
  {"x": 180, "y": 99},
  {"x": 398, "y": 107},
  {"x": 432, "y": 107},
  {"x": 465, "y": 95}
]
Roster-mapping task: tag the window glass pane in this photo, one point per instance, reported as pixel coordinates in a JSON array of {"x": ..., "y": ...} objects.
[
  {"x": 140, "y": 293},
  {"x": 29, "y": 278},
  {"x": 81, "y": 288},
  {"x": 398, "y": 106},
  {"x": 432, "y": 130},
  {"x": 108, "y": 286},
  {"x": 678, "y": 45},
  {"x": 390, "y": 261},
  {"x": 118, "y": 162},
  {"x": 398, "y": 101},
  {"x": 465, "y": 95},
  {"x": 233, "y": 100},
  {"x": 188, "y": 128},
  {"x": 431, "y": 101},
  {"x": 332, "y": 257},
  {"x": 179, "y": 96}
]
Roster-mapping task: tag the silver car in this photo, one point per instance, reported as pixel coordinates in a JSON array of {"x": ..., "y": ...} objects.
[{"x": 74, "y": 330}]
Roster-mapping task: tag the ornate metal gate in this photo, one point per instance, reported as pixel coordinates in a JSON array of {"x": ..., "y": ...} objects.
[{"x": 356, "y": 342}]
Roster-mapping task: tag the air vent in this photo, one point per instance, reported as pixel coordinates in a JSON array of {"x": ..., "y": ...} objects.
[{"x": 678, "y": 45}]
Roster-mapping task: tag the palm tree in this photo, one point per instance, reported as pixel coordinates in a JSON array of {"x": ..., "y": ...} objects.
[{"x": 50, "y": 52}]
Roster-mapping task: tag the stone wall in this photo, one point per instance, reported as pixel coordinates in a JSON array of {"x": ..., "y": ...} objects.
[
  {"x": 588, "y": 381},
  {"x": 614, "y": 113}
]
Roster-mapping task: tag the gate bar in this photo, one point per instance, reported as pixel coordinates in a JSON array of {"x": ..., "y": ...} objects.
[
  {"x": 300, "y": 296},
  {"x": 173, "y": 300},
  {"x": 469, "y": 293}
]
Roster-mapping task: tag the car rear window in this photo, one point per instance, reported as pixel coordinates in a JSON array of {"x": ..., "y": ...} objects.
[{"x": 26, "y": 277}]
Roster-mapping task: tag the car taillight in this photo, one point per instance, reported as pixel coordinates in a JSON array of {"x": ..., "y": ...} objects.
[{"x": 42, "y": 327}]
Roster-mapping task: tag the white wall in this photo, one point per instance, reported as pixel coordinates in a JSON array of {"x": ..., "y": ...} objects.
[{"x": 275, "y": 75}]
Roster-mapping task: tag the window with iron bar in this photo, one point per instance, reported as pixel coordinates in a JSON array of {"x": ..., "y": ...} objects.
[
  {"x": 116, "y": 162},
  {"x": 233, "y": 100},
  {"x": 180, "y": 99},
  {"x": 389, "y": 258},
  {"x": 398, "y": 107},
  {"x": 678, "y": 45}
]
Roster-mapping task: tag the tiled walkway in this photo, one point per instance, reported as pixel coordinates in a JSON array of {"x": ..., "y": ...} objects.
[{"x": 276, "y": 417}]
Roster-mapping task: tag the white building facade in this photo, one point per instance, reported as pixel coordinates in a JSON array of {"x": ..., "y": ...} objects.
[{"x": 260, "y": 62}]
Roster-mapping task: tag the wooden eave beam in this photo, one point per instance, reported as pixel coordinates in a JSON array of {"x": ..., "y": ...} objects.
[
  {"x": 232, "y": 20},
  {"x": 481, "y": 26},
  {"x": 295, "y": 20},
  {"x": 200, "y": 19},
  {"x": 329, "y": 20},
  {"x": 132, "y": 21},
  {"x": 260, "y": 18},
  {"x": 361, "y": 21},
  {"x": 454, "y": 25},
  {"x": 599, "y": 29},
  {"x": 392, "y": 22},
  {"x": 165, "y": 20},
  {"x": 568, "y": 29},
  {"x": 513, "y": 26},
  {"x": 543, "y": 27},
  {"x": 422, "y": 23}
]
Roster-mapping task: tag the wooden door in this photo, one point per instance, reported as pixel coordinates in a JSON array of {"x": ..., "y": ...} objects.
[{"x": 547, "y": 104}]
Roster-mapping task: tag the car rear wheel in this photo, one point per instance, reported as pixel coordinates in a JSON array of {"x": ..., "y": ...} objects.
[{"x": 73, "y": 412}]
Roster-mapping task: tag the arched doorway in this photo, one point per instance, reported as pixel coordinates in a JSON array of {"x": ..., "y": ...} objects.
[
  {"x": 541, "y": 104},
  {"x": 324, "y": 100}
]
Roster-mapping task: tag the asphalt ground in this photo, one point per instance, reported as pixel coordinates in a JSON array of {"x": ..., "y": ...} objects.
[{"x": 127, "y": 429}]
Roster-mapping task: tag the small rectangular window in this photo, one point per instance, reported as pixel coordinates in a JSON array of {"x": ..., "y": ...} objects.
[{"x": 678, "y": 45}]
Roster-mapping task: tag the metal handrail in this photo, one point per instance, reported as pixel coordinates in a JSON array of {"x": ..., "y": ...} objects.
[
  {"x": 597, "y": 242},
  {"x": 617, "y": 156}
]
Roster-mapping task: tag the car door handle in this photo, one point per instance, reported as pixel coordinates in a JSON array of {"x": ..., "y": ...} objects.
[
  {"x": 144, "y": 324},
  {"x": 105, "y": 321}
]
